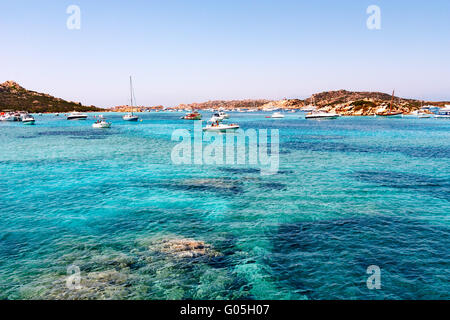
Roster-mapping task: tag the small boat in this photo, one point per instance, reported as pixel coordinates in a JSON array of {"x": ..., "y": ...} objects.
[
  {"x": 9, "y": 117},
  {"x": 77, "y": 116},
  {"x": 220, "y": 127},
  {"x": 27, "y": 119},
  {"x": 322, "y": 115},
  {"x": 277, "y": 115},
  {"x": 223, "y": 115},
  {"x": 101, "y": 124},
  {"x": 130, "y": 116},
  {"x": 192, "y": 116},
  {"x": 443, "y": 113},
  {"x": 215, "y": 118},
  {"x": 390, "y": 113}
]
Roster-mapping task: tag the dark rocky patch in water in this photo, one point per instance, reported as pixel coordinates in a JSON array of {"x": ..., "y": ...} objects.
[
  {"x": 77, "y": 134},
  {"x": 272, "y": 186},
  {"x": 329, "y": 259},
  {"x": 439, "y": 188},
  {"x": 243, "y": 171},
  {"x": 221, "y": 186},
  {"x": 240, "y": 170}
]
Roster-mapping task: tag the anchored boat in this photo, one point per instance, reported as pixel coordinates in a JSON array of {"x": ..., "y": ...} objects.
[
  {"x": 130, "y": 116},
  {"x": 101, "y": 124},
  {"x": 192, "y": 116},
  {"x": 322, "y": 115},
  {"x": 443, "y": 113},
  {"x": 277, "y": 115},
  {"x": 220, "y": 127},
  {"x": 77, "y": 116},
  {"x": 28, "y": 119},
  {"x": 390, "y": 113}
]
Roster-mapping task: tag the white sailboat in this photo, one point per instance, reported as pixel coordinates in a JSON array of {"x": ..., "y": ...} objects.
[
  {"x": 130, "y": 116},
  {"x": 317, "y": 115}
]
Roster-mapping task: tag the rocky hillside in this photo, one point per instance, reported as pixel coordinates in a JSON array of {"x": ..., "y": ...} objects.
[
  {"x": 15, "y": 97},
  {"x": 342, "y": 101}
]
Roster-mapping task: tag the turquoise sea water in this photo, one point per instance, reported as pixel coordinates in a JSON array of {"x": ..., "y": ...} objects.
[{"x": 350, "y": 193}]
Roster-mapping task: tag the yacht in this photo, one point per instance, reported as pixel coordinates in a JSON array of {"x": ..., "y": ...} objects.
[
  {"x": 390, "y": 113},
  {"x": 101, "y": 124},
  {"x": 10, "y": 117},
  {"x": 192, "y": 116},
  {"x": 130, "y": 116},
  {"x": 220, "y": 127},
  {"x": 77, "y": 116},
  {"x": 322, "y": 115},
  {"x": 443, "y": 113},
  {"x": 27, "y": 119},
  {"x": 216, "y": 118},
  {"x": 277, "y": 115},
  {"x": 223, "y": 115}
]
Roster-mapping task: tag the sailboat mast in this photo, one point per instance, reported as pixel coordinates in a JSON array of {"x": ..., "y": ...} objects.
[
  {"x": 392, "y": 101},
  {"x": 131, "y": 94}
]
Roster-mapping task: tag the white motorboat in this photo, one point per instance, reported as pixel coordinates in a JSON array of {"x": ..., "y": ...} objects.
[
  {"x": 77, "y": 116},
  {"x": 322, "y": 115},
  {"x": 223, "y": 115},
  {"x": 101, "y": 124},
  {"x": 215, "y": 119},
  {"x": 27, "y": 119},
  {"x": 10, "y": 117},
  {"x": 443, "y": 113},
  {"x": 220, "y": 127},
  {"x": 277, "y": 115},
  {"x": 130, "y": 116}
]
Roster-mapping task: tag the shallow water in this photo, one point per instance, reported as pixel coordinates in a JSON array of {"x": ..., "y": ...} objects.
[{"x": 350, "y": 193}]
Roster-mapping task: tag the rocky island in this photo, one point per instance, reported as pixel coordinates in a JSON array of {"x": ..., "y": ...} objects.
[{"x": 343, "y": 102}]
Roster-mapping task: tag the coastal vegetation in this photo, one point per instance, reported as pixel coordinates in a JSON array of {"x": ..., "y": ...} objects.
[{"x": 15, "y": 97}]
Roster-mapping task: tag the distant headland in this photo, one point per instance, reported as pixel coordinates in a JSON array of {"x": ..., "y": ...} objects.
[{"x": 15, "y": 97}]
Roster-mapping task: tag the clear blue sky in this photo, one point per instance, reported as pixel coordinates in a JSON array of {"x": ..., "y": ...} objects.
[{"x": 190, "y": 51}]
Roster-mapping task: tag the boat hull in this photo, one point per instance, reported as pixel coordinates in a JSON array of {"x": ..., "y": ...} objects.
[
  {"x": 133, "y": 119},
  {"x": 192, "y": 118},
  {"x": 101, "y": 125},
  {"x": 76, "y": 117},
  {"x": 390, "y": 115},
  {"x": 221, "y": 129},
  {"x": 312, "y": 117}
]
